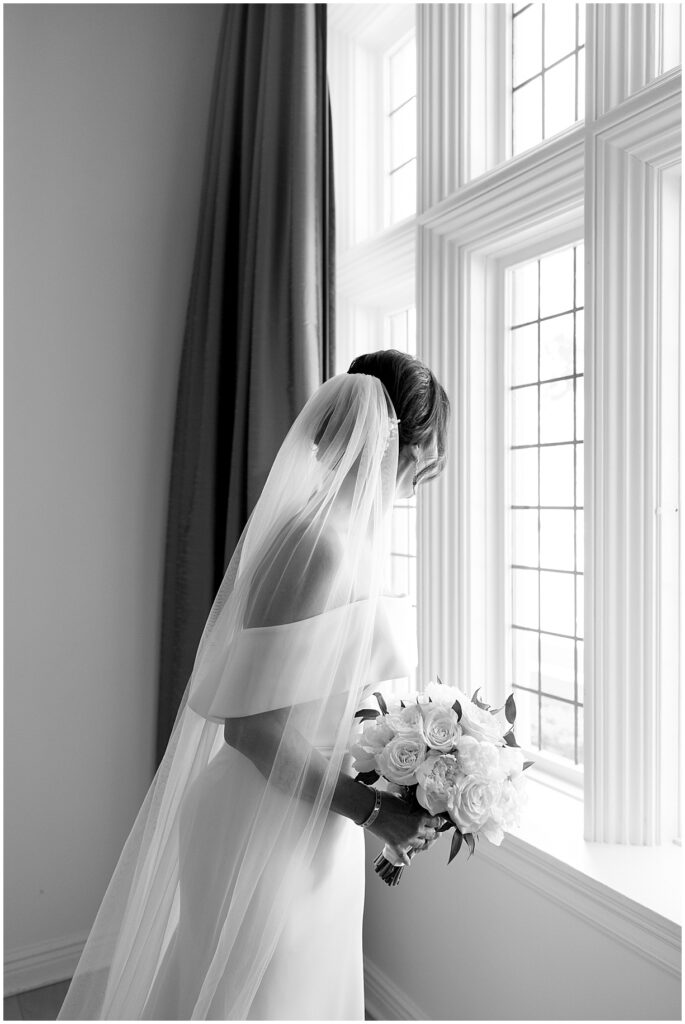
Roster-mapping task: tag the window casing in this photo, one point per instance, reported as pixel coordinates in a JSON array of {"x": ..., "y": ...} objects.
[{"x": 481, "y": 214}]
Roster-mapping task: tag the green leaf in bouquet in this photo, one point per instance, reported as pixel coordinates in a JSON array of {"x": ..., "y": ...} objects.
[
  {"x": 368, "y": 778},
  {"x": 510, "y": 739},
  {"x": 510, "y": 709},
  {"x": 455, "y": 847},
  {"x": 456, "y": 707},
  {"x": 471, "y": 843},
  {"x": 381, "y": 702},
  {"x": 527, "y": 764},
  {"x": 477, "y": 702},
  {"x": 365, "y": 713},
  {"x": 402, "y": 704},
  {"x": 446, "y": 825},
  {"x": 440, "y": 683}
]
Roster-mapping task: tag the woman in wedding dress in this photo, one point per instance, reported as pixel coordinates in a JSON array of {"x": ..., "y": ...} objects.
[{"x": 239, "y": 892}]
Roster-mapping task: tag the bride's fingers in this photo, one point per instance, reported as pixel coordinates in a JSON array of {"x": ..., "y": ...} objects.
[{"x": 432, "y": 822}]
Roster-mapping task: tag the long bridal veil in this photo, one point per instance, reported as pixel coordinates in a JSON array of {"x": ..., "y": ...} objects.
[{"x": 292, "y": 631}]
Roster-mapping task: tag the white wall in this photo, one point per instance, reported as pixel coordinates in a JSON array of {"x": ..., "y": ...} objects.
[
  {"x": 474, "y": 942},
  {"x": 105, "y": 118}
]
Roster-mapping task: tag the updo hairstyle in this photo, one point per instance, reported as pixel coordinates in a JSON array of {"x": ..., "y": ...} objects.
[{"x": 420, "y": 401}]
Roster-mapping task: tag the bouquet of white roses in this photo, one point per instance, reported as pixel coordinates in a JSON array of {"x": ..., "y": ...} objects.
[{"x": 452, "y": 756}]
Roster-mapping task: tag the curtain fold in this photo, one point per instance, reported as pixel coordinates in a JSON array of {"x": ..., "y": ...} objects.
[{"x": 259, "y": 329}]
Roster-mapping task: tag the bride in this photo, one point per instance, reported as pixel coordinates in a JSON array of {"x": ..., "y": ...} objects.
[{"x": 239, "y": 892}]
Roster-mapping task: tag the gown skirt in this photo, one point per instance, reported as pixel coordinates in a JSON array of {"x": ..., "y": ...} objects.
[{"x": 316, "y": 972}]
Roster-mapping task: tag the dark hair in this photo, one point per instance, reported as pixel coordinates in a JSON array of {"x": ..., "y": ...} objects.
[{"x": 419, "y": 400}]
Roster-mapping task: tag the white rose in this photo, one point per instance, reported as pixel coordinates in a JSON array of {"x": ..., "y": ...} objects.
[
  {"x": 511, "y": 759},
  {"x": 370, "y": 742},
  {"x": 493, "y": 832},
  {"x": 407, "y": 721},
  {"x": 440, "y": 727},
  {"x": 480, "y": 759},
  {"x": 508, "y": 810},
  {"x": 481, "y": 724},
  {"x": 436, "y": 777},
  {"x": 400, "y": 758},
  {"x": 441, "y": 694},
  {"x": 472, "y": 802}
]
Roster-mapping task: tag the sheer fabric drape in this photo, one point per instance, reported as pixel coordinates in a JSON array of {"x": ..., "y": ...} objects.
[{"x": 300, "y": 629}]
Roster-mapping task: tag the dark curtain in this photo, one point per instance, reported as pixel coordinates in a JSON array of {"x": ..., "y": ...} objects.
[{"x": 259, "y": 331}]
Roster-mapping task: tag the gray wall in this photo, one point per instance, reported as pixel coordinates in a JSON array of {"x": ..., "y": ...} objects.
[
  {"x": 472, "y": 941},
  {"x": 105, "y": 118}
]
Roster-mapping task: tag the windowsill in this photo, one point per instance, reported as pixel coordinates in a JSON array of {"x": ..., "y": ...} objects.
[{"x": 552, "y": 823}]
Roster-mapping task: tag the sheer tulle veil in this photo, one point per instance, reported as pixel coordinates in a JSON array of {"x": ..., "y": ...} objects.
[{"x": 292, "y": 628}]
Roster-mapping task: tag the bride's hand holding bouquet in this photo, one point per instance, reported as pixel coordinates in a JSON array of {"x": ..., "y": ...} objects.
[{"x": 445, "y": 756}]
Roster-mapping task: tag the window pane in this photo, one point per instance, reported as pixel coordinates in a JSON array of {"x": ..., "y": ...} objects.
[
  {"x": 581, "y": 25},
  {"x": 525, "y": 292},
  {"x": 580, "y": 540},
  {"x": 580, "y": 342},
  {"x": 580, "y": 275},
  {"x": 525, "y": 536},
  {"x": 556, "y": 475},
  {"x": 580, "y": 475},
  {"x": 556, "y": 283},
  {"x": 527, "y": 30},
  {"x": 403, "y": 134},
  {"x": 525, "y": 476},
  {"x": 580, "y": 409},
  {"x": 581, "y": 670},
  {"x": 403, "y": 192},
  {"x": 525, "y": 597},
  {"x": 527, "y": 719},
  {"x": 581, "y": 84},
  {"x": 556, "y": 539},
  {"x": 400, "y": 574},
  {"x": 403, "y": 74},
  {"x": 580, "y": 736},
  {"x": 560, "y": 31},
  {"x": 580, "y": 605},
  {"x": 401, "y": 529},
  {"x": 558, "y": 727},
  {"x": 411, "y": 331},
  {"x": 527, "y": 116},
  {"x": 524, "y": 404},
  {"x": 524, "y": 355},
  {"x": 556, "y": 411},
  {"x": 556, "y": 347},
  {"x": 560, "y": 96},
  {"x": 556, "y": 602},
  {"x": 557, "y": 666},
  {"x": 525, "y": 654},
  {"x": 398, "y": 331}
]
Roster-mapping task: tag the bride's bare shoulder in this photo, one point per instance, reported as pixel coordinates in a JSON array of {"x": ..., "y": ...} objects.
[{"x": 297, "y": 578}]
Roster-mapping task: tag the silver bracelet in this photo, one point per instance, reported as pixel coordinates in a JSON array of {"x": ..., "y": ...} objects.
[{"x": 375, "y": 812}]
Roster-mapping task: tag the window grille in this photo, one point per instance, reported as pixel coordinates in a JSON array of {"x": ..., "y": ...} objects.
[
  {"x": 401, "y": 131},
  {"x": 547, "y": 71},
  {"x": 545, "y": 358}
]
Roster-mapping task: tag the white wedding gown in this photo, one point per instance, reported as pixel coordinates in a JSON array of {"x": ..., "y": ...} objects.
[{"x": 316, "y": 971}]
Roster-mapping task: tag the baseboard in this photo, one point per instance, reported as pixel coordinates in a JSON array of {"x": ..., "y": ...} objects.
[
  {"x": 384, "y": 999},
  {"x": 41, "y": 964}
]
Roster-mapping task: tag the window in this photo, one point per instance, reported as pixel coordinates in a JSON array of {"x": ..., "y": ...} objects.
[
  {"x": 549, "y": 550},
  {"x": 372, "y": 73},
  {"x": 400, "y": 65},
  {"x": 545, "y": 473},
  {"x": 548, "y": 71}
]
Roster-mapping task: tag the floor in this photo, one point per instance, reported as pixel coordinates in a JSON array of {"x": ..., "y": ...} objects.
[
  {"x": 39, "y": 1004},
  {"x": 42, "y": 1003}
]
